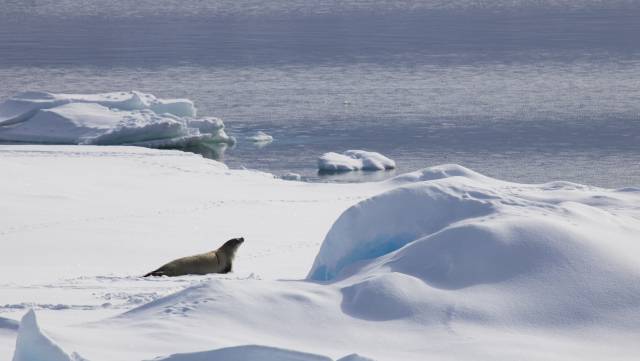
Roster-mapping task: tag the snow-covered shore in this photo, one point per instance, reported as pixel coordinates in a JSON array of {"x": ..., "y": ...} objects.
[{"x": 442, "y": 263}]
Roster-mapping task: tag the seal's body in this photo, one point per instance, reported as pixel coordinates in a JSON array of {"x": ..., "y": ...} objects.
[{"x": 218, "y": 261}]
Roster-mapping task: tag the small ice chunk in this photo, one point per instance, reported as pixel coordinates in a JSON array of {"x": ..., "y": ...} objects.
[
  {"x": 292, "y": 177},
  {"x": 261, "y": 137},
  {"x": 353, "y": 160}
]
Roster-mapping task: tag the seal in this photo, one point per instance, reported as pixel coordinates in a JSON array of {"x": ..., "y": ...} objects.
[{"x": 218, "y": 261}]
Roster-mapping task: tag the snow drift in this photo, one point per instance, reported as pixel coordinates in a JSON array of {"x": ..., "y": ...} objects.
[
  {"x": 33, "y": 345},
  {"x": 352, "y": 160},
  {"x": 133, "y": 118},
  {"x": 485, "y": 251},
  {"x": 247, "y": 353}
]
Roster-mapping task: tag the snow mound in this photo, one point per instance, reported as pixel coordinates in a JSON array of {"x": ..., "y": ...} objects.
[
  {"x": 261, "y": 137},
  {"x": 476, "y": 249},
  {"x": 255, "y": 353},
  {"x": 132, "y": 118},
  {"x": 438, "y": 172},
  {"x": 385, "y": 223},
  {"x": 247, "y": 353},
  {"x": 8, "y": 324},
  {"x": 33, "y": 345},
  {"x": 353, "y": 160},
  {"x": 355, "y": 357}
]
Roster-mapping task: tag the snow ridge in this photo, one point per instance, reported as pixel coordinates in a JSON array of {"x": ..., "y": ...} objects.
[{"x": 34, "y": 345}]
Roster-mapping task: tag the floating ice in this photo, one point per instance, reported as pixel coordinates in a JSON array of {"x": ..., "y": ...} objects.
[
  {"x": 353, "y": 160},
  {"x": 292, "y": 177},
  {"x": 261, "y": 137},
  {"x": 132, "y": 118}
]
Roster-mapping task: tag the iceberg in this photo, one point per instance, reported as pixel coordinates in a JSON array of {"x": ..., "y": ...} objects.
[
  {"x": 353, "y": 160},
  {"x": 131, "y": 118}
]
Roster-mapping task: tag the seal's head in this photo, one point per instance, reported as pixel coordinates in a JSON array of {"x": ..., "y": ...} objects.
[{"x": 232, "y": 245}]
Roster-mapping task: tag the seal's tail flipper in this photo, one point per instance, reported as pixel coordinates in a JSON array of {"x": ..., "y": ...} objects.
[{"x": 154, "y": 273}]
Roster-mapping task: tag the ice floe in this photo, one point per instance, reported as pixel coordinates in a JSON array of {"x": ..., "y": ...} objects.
[
  {"x": 132, "y": 118},
  {"x": 261, "y": 137},
  {"x": 353, "y": 160}
]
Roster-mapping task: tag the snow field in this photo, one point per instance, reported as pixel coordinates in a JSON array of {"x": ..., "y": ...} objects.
[{"x": 442, "y": 263}]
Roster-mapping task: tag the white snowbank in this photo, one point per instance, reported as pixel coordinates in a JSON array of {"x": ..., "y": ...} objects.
[
  {"x": 133, "y": 118},
  {"x": 439, "y": 172},
  {"x": 261, "y": 137},
  {"x": 33, "y": 345},
  {"x": 353, "y": 160},
  {"x": 247, "y": 353},
  {"x": 355, "y": 357},
  {"x": 255, "y": 353},
  {"x": 8, "y": 324},
  {"x": 496, "y": 252}
]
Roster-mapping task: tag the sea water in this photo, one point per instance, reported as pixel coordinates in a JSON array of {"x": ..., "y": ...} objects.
[{"x": 530, "y": 91}]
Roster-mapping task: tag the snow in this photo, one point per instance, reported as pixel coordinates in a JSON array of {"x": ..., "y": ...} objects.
[
  {"x": 488, "y": 252},
  {"x": 255, "y": 353},
  {"x": 247, "y": 353},
  {"x": 261, "y": 137},
  {"x": 8, "y": 324},
  {"x": 442, "y": 263},
  {"x": 33, "y": 345},
  {"x": 355, "y": 357},
  {"x": 353, "y": 160},
  {"x": 105, "y": 119}
]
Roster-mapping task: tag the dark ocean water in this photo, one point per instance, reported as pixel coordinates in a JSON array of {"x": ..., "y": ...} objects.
[{"x": 526, "y": 91}]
